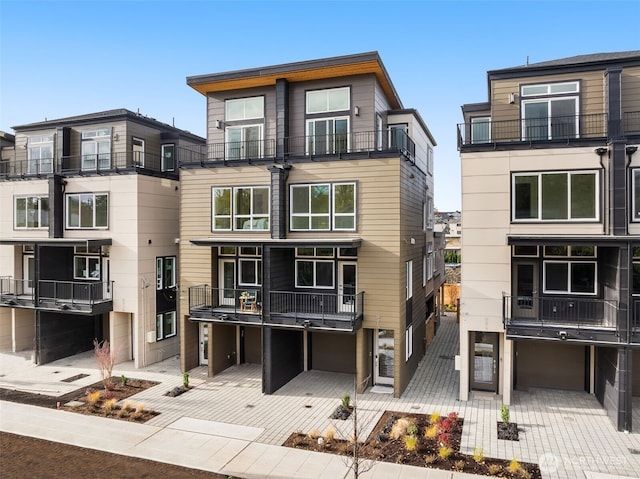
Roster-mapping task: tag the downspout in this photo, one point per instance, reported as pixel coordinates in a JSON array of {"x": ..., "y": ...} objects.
[
  {"x": 603, "y": 186},
  {"x": 630, "y": 150}
]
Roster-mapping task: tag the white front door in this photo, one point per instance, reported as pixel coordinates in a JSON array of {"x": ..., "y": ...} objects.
[
  {"x": 204, "y": 343},
  {"x": 227, "y": 282},
  {"x": 28, "y": 274},
  {"x": 347, "y": 289},
  {"x": 384, "y": 357}
]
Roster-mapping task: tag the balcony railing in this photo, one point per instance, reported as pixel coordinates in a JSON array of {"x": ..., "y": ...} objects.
[
  {"x": 302, "y": 146},
  {"x": 557, "y": 128},
  {"x": 631, "y": 123},
  {"x": 535, "y": 313},
  {"x": 73, "y": 296},
  {"x": 226, "y": 305}
]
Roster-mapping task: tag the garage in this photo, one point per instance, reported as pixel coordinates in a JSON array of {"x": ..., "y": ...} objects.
[{"x": 554, "y": 365}]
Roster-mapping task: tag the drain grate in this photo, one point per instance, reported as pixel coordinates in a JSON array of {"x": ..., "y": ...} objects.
[
  {"x": 634, "y": 451},
  {"x": 74, "y": 378},
  {"x": 444, "y": 356},
  {"x": 308, "y": 406},
  {"x": 249, "y": 406}
]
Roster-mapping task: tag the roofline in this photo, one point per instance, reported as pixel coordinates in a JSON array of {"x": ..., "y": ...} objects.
[
  {"x": 332, "y": 67},
  {"x": 415, "y": 112},
  {"x": 103, "y": 116}
]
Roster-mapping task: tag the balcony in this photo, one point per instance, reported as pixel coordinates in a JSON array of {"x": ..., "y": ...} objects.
[
  {"x": 569, "y": 319},
  {"x": 353, "y": 143},
  {"x": 558, "y": 129},
  {"x": 68, "y": 296},
  {"x": 311, "y": 311}
]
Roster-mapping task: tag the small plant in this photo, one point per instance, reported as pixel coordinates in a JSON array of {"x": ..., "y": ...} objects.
[
  {"x": 430, "y": 458},
  {"x": 504, "y": 413},
  {"x": 524, "y": 474},
  {"x": 431, "y": 432},
  {"x": 399, "y": 428},
  {"x": 109, "y": 406},
  {"x": 444, "y": 439},
  {"x": 411, "y": 442},
  {"x": 93, "y": 397},
  {"x": 434, "y": 417},
  {"x": 478, "y": 455},
  {"x": 444, "y": 452},
  {"x": 139, "y": 411},
  {"x": 128, "y": 405},
  {"x": 458, "y": 465},
  {"x": 452, "y": 416},
  {"x": 123, "y": 380},
  {"x": 514, "y": 466},
  {"x": 445, "y": 425},
  {"x": 352, "y": 439},
  {"x": 346, "y": 401},
  {"x": 493, "y": 469},
  {"x": 314, "y": 434},
  {"x": 412, "y": 430},
  {"x": 121, "y": 412},
  {"x": 330, "y": 433},
  {"x": 185, "y": 380}
]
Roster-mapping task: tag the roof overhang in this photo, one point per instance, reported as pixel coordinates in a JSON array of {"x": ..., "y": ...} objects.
[
  {"x": 88, "y": 242},
  {"x": 280, "y": 243},
  {"x": 554, "y": 240},
  {"x": 335, "y": 67}
]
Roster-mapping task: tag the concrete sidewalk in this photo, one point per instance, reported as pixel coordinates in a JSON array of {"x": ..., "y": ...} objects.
[{"x": 226, "y": 425}]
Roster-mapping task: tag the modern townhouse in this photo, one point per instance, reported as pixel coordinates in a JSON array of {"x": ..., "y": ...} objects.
[
  {"x": 88, "y": 236},
  {"x": 551, "y": 247},
  {"x": 306, "y": 225}
]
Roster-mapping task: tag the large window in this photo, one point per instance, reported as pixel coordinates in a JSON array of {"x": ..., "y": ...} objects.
[
  {"x": 323, "y": 207},
  {"x": 314, "y": 274},
  {"x": 31, "y": 212},
  {"x": 96, "y": 149},
  {"x": 244, "y": 108},
  {"x": 481, "y": 130},
  {"x": 87, "y": 210},
  {"x": 165, "y": 272},
  {"x": 568, "y": 272},
  {"x": 324, "y": 101},
  {"x": 40, "y": 154},
  {"x": 165, "y": 325},
  {"x": 86, "y": 267},
  {"x": 244, "y": 142},
  {"x": 555, "y": 196},
  {"x": 250, "y": 271},
  {"x": 328, "y": 135},
  {"x": 550, "y": 111},
  {"x": 240, "y": 208}
]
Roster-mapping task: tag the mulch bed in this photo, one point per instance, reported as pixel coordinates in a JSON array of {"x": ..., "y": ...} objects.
[{"x": 388, "y": 442}]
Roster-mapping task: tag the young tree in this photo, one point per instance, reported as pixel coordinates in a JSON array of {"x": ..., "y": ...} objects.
[
  {"x": 357, "y": 463},
  {"x": 106, "y": 361}
]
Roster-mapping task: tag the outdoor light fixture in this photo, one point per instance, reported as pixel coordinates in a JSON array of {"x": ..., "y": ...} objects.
[
  {"x": 601, "y": 151},
  {"x": 512, "y": 98},
  {"x": 356, "y": 110},
  {"x": 219, "y": 124}
]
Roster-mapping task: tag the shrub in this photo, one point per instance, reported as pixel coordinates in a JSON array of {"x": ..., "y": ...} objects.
[
  {"x": 493, "y": 469},
  {"x": 504, "y": 413},
  {"x": 346, "y": 400},
  {"x": 128, "y": 405},
  {"x": 444, "y": 439},
  {"x": 93, "y": 397},
  {"x": 431, "y": 432},
  {"x": 445, "y": 425},
  {"x": 411, "y": 442},
  {"x": 121, "y": 412},
  {"x": 185, "y": 380},
  {"x": 330, "y": 433},
  {"x": 123, "y": 380},
  {"x": 106, "y": 361},
  {"x": 444, "y": 452},
  {"x": 314, "y": 433},
  {"x": 452, "y": 416},
  {"x": 478, "y": 455},
  {"x": 458, "y": 465},
  {"x": 399, "y": 428},
  {"x": 434, "y": 417},
  {"x": 430, "y": 458},
  {"x": 139, "y": 411},
  {"x": 412, "y": 430},
  {"x": 514, "y": 466},
  {"x": 109, "y": 406},
  {"x": 524, "y": 474}
]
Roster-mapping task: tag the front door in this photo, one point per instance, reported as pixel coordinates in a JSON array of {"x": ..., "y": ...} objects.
[
  {"x": 525, "y": 285},
  {"x": 204, "y": 344},
  {"x": 28, "y": 274},
  {"x": 347, "y": 286},
  {"x": 484, "y": 361},
  {"x": 243, "y": 142},
  {"x": 227, "y": 282},
  {"x": 384, "y": 357},
  {"x": 138, "y": 152}
]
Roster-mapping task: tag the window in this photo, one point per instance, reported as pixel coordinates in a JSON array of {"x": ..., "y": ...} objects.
[
  {"x": 570, "y": 277},
  {"x": 96, "y": 149},
  {"x": 168, "y": 157},
  {"x": 379, "y": 132},
  {"x": 550, "y": 111},
  {"x": 314, "y": 274},
  {"x": 555, "y": 196},
  {"x": 88, "y": 210},
  {"x": 429, "y": 260},
  {"x": 409, "y": 342},
  {"x": 250, "y": 272},
  {"x": 481, "y": 130},
  {"x": 249, "y": 209},
  {"x": 313, "y": 206},
  {"x": 430, "y": 160},
  {"x": 525, "y": 251},
  {"x": 429, "y": 212},
  {"x": 323, "y": 101},
  {"x": 636, "y": 195},
  {"x": 573, "y": 251},
  {"x": 635, "y": 282},
  {"x": 165, "y": 272},
  {"x": 409, "y": 285},
  {"x": 137, "y": 150},
  {"x": 227, "y": 251},
  {"x": 327, "y": 136},
  {"x": 165, "y": 325},
  {"x": 31, "y": 212},
  {"x": 315, "y": 252},
  {"x": 244, "y": 142},
  {"x": 86, "y": 267},
  {"x": 40, "y": 154},
  {"x": 244, "y": 108}
]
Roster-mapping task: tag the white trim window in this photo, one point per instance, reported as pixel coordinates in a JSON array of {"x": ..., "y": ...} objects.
[
  {"x": 314, "y": 273},
  {"x": 31, "y": 212},
  {"x": 328, "y": 100},
  {"x": 550, "y": 111},
  {"x": 430, "y": 212},
  {"x": 323, "y": 207},
  {"x": 40, "y": 154},
  {"x": 96, "y": 149},
  {"x": 409, "y": 342},
  {"x": 249, "y": 272},
  {"x": 165, "y": 325},
  {"x": 86, "y": 267},
  {"x": 166, "y": 272},
  {"x": 248, "y": 211},
  {"x": 243, "y": 142},
  {"x": 137, "y": 151},
  {"x": 556, "y": 196},
  {"x": 328, "y": 136},
  {"x": 430, "y": 261},
  {"x": 570, "y": 277},
  {"x": 481, "y": 129},
  {"x": 430, "y": 160},
  {"x": 636, "y": 194},
  {"x": 244, "y": 108},
  {"x": 87, "y": 211},
  {"x": 409, "y": 280},
  {"x": 168, "y": 157}
]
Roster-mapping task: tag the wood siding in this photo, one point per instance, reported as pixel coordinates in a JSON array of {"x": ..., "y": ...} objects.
[{"x": 630, "y": 90}]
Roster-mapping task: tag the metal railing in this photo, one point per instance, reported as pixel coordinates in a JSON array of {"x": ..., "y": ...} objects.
[
  {"x": 23, "y": 291},
  {"x": 631, "y": 123},
  {"x": 533, "y": 129},
  {"x": 317, "y": 306},
  {"x": 566, "y": 312},
  {"x": 302, "y": 146},
  {"x": 204, "y": 299}
]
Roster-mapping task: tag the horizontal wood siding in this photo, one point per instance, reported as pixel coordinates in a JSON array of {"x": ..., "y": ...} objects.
[{"x": 630, "y": 90}]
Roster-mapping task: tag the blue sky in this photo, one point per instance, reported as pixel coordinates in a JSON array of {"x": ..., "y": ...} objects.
[{"x": 60, "y": 59}]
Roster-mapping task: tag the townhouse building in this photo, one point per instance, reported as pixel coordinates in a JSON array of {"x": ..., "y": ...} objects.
[
  {"x": 88, "y": 236},
  {"x": 307, "y": 225},
  {"x": 551, "y": 248}
]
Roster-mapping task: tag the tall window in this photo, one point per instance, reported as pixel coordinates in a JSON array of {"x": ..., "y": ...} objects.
[
  {"x": 409, "y": 285},
  {"x": 550, "y": 111},
  {"x": 636, "y": 194},
  {"x": 240, "y": 208},
  {"x": 40, "y": 154},
  {"x": 328, "y": 135},
  {"x": 481, "y": 130},
  {"x": 244, "y": 140},
  {"x": 88, "y": 210},
  {"x": 430, "y": 160},
  {"x": 555, "y": 196},
  {"x": 31, "y": 212},
  {"x": 323, "y": 207},
  {"x": 430, "y": 260},
  {"x": 408, "y": 342},
  {"x": 314, "y": 273},
  {"x": 165, "y": 325},
  {"x": 165, "y": 272},
  {"x": 635, "y": 284},
  {"x": 168, "y": 157},
  {"x": 96, "y": 149}
]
